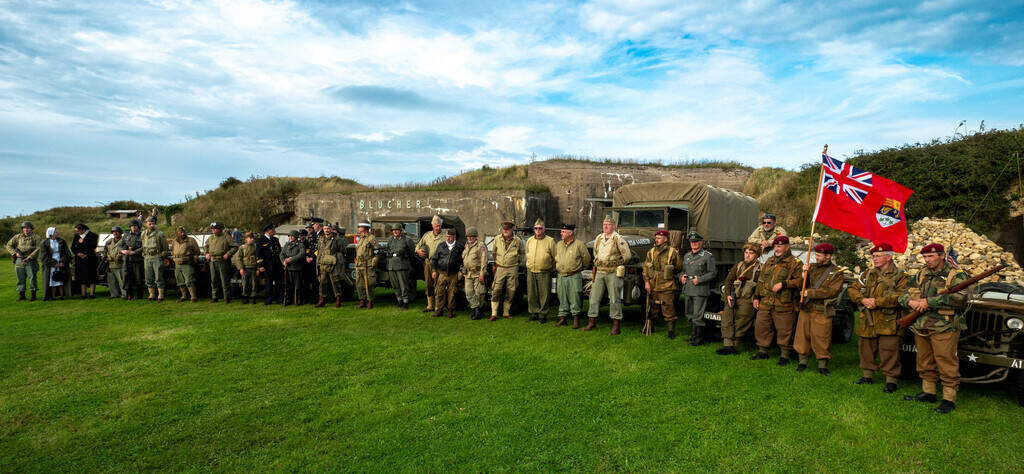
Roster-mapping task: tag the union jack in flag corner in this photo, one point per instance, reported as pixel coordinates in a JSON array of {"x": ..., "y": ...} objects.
[{"x": 861, "y": 203}]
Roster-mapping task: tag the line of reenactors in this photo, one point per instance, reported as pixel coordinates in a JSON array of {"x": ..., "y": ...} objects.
[{"x": 788, "y": 303}]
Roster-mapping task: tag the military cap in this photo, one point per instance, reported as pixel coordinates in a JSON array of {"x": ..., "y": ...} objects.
[
  {"x": 117, "y": 228},
  {"x": 316, "y": 220},
  {"x": 436, "y": 220},
  {"x": 825, "y": 247},
  {"x": 881, "y": 248},
  {"x": 769, "y": 216},
  {"x": 781, "y": 240},
  {"x": 181, "y": 228},
  {"x": 471, "y": 231},
  {"x": 933, "y": 248},
  {"x": 693, "y": 236},
  {"x": 151, "y": 219},
  {"x": 303, "y": 232},
  {"x": 609, "y": 220},
  {"x": 364, "y": 224},
  {"x": 27, "y": 224},
  {"x": 539, "y": 223},
  {"x": 267, "y": 227},
  {"x": 752, "y": 247},
  {"x": 661, "y": 232},
  {"x": 570, "y": 227},
  {"x": 293, "y": 233},
  {"x": 507, "y": 225},
  {"x": 452, "y": 231},
  {"x": 309, "y": 224},
  {"x": 339, "y": 229},
  {"x": 216, "y": 225},
  {"x": 134, "y": 222}
]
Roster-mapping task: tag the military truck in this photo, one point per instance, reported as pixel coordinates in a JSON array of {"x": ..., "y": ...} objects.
[
  {"x": 724, "y": 218},
  {"x": 991, "y": 349}
]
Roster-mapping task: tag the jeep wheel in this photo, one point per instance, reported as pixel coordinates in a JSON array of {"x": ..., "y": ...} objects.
[
  {"x": 1018, "y": 387},
  {"x": 842, "y": 327}
]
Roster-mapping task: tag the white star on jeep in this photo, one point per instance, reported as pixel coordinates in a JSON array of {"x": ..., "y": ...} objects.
[{"x": 972, "y": 358}]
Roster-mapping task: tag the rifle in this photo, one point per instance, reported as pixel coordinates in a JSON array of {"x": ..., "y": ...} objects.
[
  {"x": 284, "y": 291},
  {"x": 909, "y": 319},
  {"x": 648, "y": 320}
]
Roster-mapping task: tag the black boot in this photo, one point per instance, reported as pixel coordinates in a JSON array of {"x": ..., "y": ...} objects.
[
  {"x": 698, "y": 336},
  {"x": 921, "y": 397},
  {"x": 21, "y": 296},
  {"x": 889, "y": 387},
  {"x": 945, "y": 407},
  {"x": 671, "y": 329},
  {"x": 33, "y": 298},
  {"x": 864, "y": 380},
  {"x": 534, "y": 317},
  {"x": 543, "y": 319}
]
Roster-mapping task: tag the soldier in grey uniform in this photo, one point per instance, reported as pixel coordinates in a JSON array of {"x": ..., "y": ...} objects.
[
  {"x": 134, "y": 273},
  {"x": 399, "y": 261},
  {"x": 698, "y": 272}
]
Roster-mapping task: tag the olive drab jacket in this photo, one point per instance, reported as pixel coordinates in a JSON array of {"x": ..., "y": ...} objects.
[
  {"x": 824, "y": 283},
  {"x": 508, "y": 253},
  {"x": 154, "y": 243},
  {"x": 702, "y": 266},
  {"x": 330, "y": 254},
  {"x": 759, "y": 235},
  {"x": 220, "y": 245},
  {"x": 945, "y": 312},
  {"x": 571, "y": 258},
  {"x": 610, "y": 252},
  {"x": 366, "y": 251},
  {"x": 112, "y": 250},
  {"x": 787, "y": 270},
  {"x": 540, "y": 254},
  {"x": 184, "y": 251},
  {"x": 27, "y": 246},
  {"x": 474, "y": 259},
  {"x": 429, "y": 242},
  {"x": 245, "y": 257},
  {"x": 132, "y": 242},
  {"x": 400, "y": 252},
  {"x": 662, "y": 267},
  {"x": 885, "y": 285},
  {"x": 741, "y": 281}
]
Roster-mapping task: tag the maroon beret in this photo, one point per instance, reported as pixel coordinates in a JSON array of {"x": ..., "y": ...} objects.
[
  {"x": 661, "y": 232},
  {"x": 881, "y": 248},
  {"x": 782, "y": 239},
  {"x": 933, "y": 248},
  {"x": 825, "y": 247}
]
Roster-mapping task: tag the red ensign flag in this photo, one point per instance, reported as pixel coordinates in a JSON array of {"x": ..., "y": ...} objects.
[{"x": 860, "y": 203}]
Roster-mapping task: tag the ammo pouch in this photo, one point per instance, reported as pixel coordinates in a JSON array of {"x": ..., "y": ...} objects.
[
  {"x": 667, "y": 271},
  {"x": 829, "y": 307},
  {"x": 327, "y": 259}
]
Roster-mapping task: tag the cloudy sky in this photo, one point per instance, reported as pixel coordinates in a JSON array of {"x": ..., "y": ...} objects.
[{"x": 154, "y": 100}]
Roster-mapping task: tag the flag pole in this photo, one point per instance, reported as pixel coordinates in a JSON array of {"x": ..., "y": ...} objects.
[{"x": 810, "y": 241}]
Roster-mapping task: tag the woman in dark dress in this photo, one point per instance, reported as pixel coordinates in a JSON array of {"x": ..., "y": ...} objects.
[
  {"x": 84, "y": 248},
  {"x": 54, "y": 258}
]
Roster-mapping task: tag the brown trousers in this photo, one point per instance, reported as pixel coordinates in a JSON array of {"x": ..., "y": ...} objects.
[
  {"x": 736, "y": 322},
  {"x": 428, "y": 278},
  {"x": 444, "y": 291},
  {"x": 503, "y": 288},
  {"x": 936, "y": 360},
  {"x": 884, "y": 348},
  {"x": 813, "y": 332},
  {"x": 776, "y": 323},
  {"x": 666, "y": 300}
]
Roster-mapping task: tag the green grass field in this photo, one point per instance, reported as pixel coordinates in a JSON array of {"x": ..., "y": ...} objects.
[{"x": 114, "y": 386}]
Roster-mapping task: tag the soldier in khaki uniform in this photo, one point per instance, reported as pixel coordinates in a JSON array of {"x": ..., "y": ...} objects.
[
  {"x": 330, "y": 262},
  {"x": 540, "y": 260},
  {"x": 425, "y": 249},
  {"x": 877, "y": 293},
  {"x": 220, "y": 247},
  {"x": 474, "y": 264},
  {"x": 814, "y": 323},
  {"x": 662, "y": 267},
  {"x": 937, "y": 331},
  {"x": 293, "y": 257},
  {"x": 446, "y": 263},
  {"x": 24, "y": 248},
  {"x": 399, "y": 263},
  {"x": 115, "y": 262},
  {"x": 245, "y": 261},
  {"x": 765, "y": 234},
  {"x": 366, "y": 266},
  {"x": 508, "y": 252},
  {"x": 738, "y": 315},
  {"x": 571, "y": 258},
  {"x": 154, "y": 249},
  {"x": 134, "y": 271},
  {"x": 611, "y": 252},
  {"x": 698, "y": 271},
  {"x": 778, "y": 289},
  {"x": 184, "y": 252}
]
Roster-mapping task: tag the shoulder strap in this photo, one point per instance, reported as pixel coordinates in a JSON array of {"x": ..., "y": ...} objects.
[{"x": 824, "y": 275}]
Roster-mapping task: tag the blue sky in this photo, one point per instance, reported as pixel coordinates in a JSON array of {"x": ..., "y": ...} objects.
[{"x": 155, "y": 100}]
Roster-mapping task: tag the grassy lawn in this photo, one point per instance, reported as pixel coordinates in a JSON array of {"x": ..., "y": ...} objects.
[{"x": 108, "y": 385}]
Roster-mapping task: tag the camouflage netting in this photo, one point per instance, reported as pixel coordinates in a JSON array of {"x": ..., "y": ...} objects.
[{"x": 703, "y": 202}]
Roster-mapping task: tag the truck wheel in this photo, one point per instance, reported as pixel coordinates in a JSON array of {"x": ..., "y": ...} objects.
[
  {"x": 842, "y": 327},
  {"x": 908, "y": 360},
  {"x": 1018, "y": 387}
]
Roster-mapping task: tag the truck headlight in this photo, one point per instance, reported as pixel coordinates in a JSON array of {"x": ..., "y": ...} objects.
[{"x": 1015, "y": 323}]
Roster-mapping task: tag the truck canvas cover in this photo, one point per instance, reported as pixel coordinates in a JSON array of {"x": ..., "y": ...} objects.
[{"x": 737, "y": 213}]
